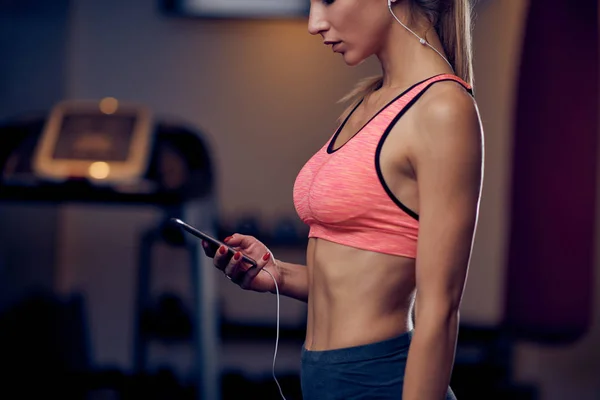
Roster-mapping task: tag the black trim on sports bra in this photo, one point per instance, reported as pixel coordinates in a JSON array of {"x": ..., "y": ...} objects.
[
  {"x": 387, "y": 132},
  {"x": 331, "y": 150}
]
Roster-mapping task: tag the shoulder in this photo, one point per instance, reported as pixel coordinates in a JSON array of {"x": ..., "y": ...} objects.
[
  {"x": 447, "y": 105},
  {"x": 447, "y": 116}
]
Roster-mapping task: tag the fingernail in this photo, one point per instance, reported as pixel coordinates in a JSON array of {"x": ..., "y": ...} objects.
[
  {"x": 237, "y": 256},
  {"x": 227, "y": 239},
  {"x": 266, "y": 256},
  {"x": 222, "y": 250}
]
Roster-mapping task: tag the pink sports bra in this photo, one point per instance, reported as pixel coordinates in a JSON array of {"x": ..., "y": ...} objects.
[{"x": 342, "y": 196}]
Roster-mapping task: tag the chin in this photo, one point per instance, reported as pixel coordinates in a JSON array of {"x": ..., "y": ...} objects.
[{"x": 353, "y": 60}]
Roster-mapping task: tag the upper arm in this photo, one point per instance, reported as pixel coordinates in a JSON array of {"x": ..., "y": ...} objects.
[{"x": 448, "y": 162}]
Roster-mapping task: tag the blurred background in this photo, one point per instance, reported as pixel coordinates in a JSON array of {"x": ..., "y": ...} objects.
[{"x": 100, "y": 298}]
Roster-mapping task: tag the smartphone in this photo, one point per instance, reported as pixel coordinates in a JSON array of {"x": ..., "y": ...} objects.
[{"x": 213, "y": 243}]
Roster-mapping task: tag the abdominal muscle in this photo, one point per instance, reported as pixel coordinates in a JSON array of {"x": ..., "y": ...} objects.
[{"x": 356, "y": 297}]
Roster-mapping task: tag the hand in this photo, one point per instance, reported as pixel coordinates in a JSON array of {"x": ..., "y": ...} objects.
[{"x": 247, "y": 277}]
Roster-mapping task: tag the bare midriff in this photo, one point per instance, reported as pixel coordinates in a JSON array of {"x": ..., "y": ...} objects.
[{"x": 356, "y": 297}]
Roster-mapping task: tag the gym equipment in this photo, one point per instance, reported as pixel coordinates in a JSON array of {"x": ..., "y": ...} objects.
[
  {"x": 112, "y": 152},
  {"x": 105, "y": 142}
]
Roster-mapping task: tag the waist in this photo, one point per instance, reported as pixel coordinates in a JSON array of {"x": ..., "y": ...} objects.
[
  {"x": 397, "y": 344},
  {"x": 356, "y": 297}
]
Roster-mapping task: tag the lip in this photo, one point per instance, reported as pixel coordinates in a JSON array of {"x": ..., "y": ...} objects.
[{"x": 334, "y": 45}]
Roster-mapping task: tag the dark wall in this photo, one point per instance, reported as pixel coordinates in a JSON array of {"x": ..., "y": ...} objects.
[{"x": 33, "y": 54}]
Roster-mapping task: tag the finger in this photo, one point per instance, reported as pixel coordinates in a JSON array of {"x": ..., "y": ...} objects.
[
  {"x": 208, "y": 249},
  {"x": 240, "y": 268},
  {"x": 222, "y": 257},
  {"x": 254, "y": 271},
  {"x": 234, "y": 268}
]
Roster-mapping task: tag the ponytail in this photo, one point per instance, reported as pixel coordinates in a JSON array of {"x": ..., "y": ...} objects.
[
  {"x": 452, "y": 21},
  {"x": 455, "y": 32}
]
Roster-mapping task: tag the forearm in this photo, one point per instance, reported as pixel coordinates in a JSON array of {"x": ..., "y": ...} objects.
[
  {"x": 294, "y": 280},
  {"x": 431, "y": 356}
]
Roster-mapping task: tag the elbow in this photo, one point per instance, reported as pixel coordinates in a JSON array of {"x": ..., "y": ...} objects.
[
  {"x": 441, "y": 313},
  {"x": 443, "y": 302}
]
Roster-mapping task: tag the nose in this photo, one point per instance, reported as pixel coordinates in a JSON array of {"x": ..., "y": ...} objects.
[{"x": 317, "y": 23}]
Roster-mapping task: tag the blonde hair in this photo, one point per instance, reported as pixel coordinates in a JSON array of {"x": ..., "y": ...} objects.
[{"x": 452, "y": 22}]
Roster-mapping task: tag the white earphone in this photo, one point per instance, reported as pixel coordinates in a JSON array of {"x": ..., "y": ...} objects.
[
  {"x": 277, "y": 337},
  {"x": 423, "y": 41}
]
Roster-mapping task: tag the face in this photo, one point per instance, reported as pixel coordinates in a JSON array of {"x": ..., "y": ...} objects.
[{"x": 356, "y": 29}]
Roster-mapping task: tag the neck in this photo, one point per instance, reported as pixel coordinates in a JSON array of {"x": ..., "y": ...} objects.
[{"x": 404, "y": 60}]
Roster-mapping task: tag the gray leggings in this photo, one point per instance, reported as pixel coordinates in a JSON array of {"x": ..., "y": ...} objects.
[{"x": 373, "y": 371}]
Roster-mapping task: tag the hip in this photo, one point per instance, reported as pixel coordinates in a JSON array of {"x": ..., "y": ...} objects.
[{"x": 371, "y": 371}]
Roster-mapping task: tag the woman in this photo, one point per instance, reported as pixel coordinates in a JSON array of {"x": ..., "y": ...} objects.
[{"x": 392, "y": 203}]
